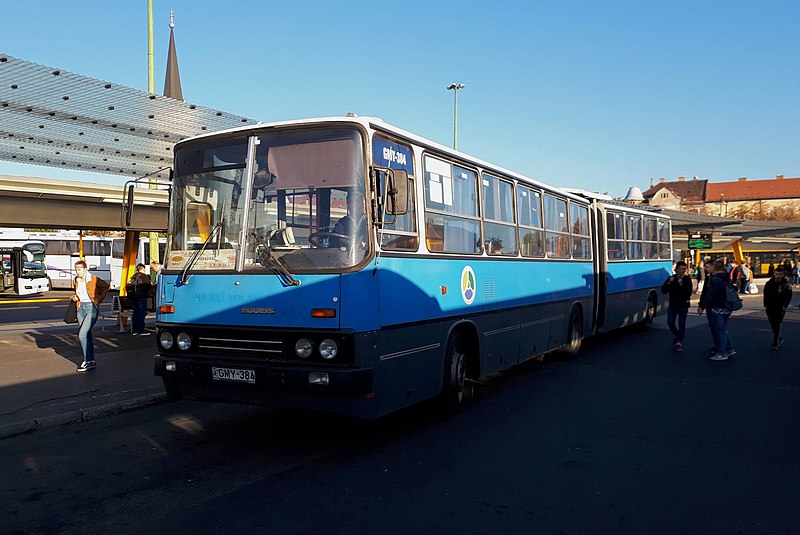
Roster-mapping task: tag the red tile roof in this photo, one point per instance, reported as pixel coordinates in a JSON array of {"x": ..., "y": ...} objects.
[
  {"x": 747, "y": 190},
  {"x": 687, "y": 190}
]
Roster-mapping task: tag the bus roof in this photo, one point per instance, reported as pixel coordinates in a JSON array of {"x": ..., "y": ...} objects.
[{"x": 378, "y": 124}]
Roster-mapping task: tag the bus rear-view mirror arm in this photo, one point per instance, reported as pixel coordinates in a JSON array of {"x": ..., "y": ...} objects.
[{"x": 396, "y": 192}]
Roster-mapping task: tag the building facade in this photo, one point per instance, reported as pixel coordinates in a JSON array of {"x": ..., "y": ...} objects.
[{"x": 776, "y": 199}]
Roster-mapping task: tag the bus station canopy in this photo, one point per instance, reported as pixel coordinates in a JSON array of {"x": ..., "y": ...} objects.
[{"x": 53, "y": 117}]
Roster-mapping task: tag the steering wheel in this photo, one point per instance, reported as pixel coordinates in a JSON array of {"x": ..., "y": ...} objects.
[{"x": 314, "y": 237}]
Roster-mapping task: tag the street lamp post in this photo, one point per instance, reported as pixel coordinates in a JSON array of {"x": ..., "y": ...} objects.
[{"x": 455, "y": 88}]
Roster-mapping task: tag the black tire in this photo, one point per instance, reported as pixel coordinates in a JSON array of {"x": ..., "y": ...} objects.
[
  {"x": 574, "y": 333},
  {"x": 649, "y": 314},
  {"x": 454, "y": 387}
]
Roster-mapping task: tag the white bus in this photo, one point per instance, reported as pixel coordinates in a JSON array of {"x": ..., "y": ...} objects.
[
  {"x": 62, "y": 250},
  {"x": 142, "y": 256},
  {"x": 22, "y": 267}
]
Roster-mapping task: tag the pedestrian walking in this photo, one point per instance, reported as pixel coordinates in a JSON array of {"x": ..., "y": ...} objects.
[
  {"x": 90, "y": 291},
  {"x": 138, "y": 288},
  {"x": 679, "y": 288},
  {"x": 777, "y": 296},
  {"x": 745, "y": 276},
  {"x": 713, "y": 302},
  {"x": 701, "y": 274}
]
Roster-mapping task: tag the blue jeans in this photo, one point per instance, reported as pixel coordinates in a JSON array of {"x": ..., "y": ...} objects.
[
  {"x": 680, "y": 315},
  {"x": 87, "y": 317},
  {"x": 718, "y": 321},
  {"x": 139, "y": 313}
]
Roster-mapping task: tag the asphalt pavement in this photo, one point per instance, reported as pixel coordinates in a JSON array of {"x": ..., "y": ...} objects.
[{"x": 39, "y": 386}]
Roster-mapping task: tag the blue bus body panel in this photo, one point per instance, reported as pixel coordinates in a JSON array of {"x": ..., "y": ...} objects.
[
  {"x": 417, "y": 289},
  {"x": 627, "y": 276},
  {"x": 251, "y": 300}
]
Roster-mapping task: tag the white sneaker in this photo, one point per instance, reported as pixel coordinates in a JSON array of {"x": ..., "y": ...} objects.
[{"x": 719, "y": 356}]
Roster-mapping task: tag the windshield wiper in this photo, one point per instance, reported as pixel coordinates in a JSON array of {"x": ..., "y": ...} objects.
[
  {"x": 266, "y": 257},
  {"x": 196, "y": 255}
]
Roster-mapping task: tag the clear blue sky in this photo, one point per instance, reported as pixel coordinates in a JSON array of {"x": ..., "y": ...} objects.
[{"x": 595, "y": 95}]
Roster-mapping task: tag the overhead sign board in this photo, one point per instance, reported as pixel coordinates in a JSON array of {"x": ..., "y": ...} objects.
[{"x": 699, "y": 241}]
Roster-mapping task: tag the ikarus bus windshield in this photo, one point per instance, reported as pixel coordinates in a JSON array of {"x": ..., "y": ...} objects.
[{"x": 300, "y": 203}]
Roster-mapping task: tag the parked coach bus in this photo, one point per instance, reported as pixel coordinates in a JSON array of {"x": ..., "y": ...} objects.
[
  {"x": 63, "y": 250},
  {"x": 22, "y": 267},
  {"x": 346, "y": 265}
]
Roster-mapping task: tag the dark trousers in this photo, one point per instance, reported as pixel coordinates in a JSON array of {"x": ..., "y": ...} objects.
[
  {"x": 139, "y": 313},
  {"x": 775, "y": 317},
  {"x": 680, "y": 315}
]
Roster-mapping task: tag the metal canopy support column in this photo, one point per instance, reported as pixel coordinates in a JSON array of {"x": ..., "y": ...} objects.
[
  {"x": 128, "y": 267},
  {"x": 737, "y": 251}
]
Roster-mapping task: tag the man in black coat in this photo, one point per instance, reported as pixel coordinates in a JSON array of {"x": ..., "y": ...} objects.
[
  {"x": 777, "y": 296},
  {"x": 679, "y": 288}
]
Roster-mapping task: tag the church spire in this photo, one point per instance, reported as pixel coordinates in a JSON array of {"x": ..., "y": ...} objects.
[{"x": 172, "y": 81}]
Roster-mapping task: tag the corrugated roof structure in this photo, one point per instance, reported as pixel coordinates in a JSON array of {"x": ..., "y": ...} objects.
[{"x": 57, "y": 118}]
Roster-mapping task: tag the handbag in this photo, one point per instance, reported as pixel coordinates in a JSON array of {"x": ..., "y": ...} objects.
[{"x": 71, "y": 314}]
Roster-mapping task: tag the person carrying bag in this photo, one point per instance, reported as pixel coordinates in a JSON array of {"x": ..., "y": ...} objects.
[
  {"x": 90, "y": 291},
  {"x": 138, "y": 289}
]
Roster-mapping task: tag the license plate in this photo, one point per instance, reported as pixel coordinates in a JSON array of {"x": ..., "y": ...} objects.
[{"x": 232, "y": 374}]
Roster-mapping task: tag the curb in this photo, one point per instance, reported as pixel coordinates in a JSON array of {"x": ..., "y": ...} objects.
[{"x": 81, "y": 415}]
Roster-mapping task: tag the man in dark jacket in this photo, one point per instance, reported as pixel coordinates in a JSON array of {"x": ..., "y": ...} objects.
[
  {"x": 138, "y": 289},
  {"x": 714, "y": 303},
  {"x": 679, "y": 288},
  {"x": 777, "y": 296}
]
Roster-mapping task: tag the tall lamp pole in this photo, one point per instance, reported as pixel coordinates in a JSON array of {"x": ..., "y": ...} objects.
[{"x": 455, "y": 88}]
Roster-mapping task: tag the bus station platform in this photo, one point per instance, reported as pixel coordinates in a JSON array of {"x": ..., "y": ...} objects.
[{"x": 40, "y": 388}]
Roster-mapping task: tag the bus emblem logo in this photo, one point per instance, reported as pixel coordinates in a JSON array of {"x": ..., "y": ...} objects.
[{"x": 468, "y": 285}]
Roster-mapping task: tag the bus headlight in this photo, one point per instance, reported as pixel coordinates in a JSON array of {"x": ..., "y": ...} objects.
[
  {"x": 328, "y": 349},
  {"x": 304, "y": 347},
  {"x": 166, "y": 339},
  {"x": 184, "y": 341}
]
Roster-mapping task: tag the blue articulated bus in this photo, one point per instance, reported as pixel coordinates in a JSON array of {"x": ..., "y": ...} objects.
[{"x": 346, "y": 265}]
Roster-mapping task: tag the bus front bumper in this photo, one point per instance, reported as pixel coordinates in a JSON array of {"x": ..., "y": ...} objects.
[{"x": 260, "y": 377}]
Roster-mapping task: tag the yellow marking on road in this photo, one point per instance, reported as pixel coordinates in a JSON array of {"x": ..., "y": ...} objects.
[{"x": 22, "y": 301}]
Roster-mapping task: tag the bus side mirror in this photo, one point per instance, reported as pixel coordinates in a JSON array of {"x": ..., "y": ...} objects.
[
  {"x": 127, "y": 207},
  {"x": 397, "y": 192}
]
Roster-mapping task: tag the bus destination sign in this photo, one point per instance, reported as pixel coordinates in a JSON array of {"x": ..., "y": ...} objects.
[{"x": 699, "y": 241}]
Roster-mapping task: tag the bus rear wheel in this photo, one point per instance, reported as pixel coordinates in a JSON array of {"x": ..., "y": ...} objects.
[
  {"x": 574, "y": 333},
  {"x": 455, "y": 388},
  {"x": 649, "y": 313}
]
